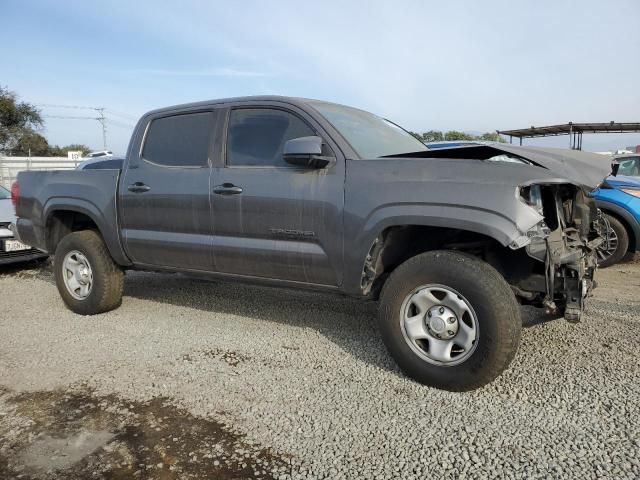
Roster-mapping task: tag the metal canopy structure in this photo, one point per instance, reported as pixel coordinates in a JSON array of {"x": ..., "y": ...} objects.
[{"x": 574, "y": 130}]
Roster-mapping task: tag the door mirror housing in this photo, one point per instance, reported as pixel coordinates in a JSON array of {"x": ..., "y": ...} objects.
[
  {"x": 615, "y": 167},
  {"x": 306, "y": 152}
]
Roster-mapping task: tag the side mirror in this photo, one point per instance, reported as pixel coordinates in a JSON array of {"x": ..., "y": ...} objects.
[
  {"x": 306, "y": 152},
  {"x": 615, "y": 166}
]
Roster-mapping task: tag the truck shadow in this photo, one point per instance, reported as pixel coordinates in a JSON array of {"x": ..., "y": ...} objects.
[
  {"x": 27, "y": 268},
  {"x": 349, "y": 323}
]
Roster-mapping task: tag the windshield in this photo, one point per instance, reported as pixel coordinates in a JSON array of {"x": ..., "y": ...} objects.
[
  {"x": 369, "y": 135},
  {"x": 4, "y": 193},
  {"x": 629, "y": 166}
]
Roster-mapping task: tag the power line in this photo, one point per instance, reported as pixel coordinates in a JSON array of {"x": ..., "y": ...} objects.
[
  {"x": 100, "y": 118},
  {"x": 120, "y": 114},
  {"x": 118, "y": 123},
  {"x": 69, "y": 117},
  {"x": 51, "y": 105}
]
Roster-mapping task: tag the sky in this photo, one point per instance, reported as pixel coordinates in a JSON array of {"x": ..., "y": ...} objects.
[{"x": 466, "y": 65}]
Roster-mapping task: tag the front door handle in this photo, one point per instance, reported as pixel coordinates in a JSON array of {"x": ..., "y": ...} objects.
[
  {"x": 227, "y": 189},
  {"x": 139, "y": 187}
]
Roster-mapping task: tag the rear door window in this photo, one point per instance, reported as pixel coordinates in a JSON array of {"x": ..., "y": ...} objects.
[{"x": 179, "y": 140}]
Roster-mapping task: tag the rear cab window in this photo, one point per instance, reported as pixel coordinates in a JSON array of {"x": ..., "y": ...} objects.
[{"x": 180, "y": 140}]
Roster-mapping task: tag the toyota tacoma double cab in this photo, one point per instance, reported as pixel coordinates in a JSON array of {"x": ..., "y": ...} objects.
[{"x": 309, "y": 194}]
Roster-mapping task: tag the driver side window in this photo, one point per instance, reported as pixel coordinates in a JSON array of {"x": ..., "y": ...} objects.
[{"x": 256, "y": 136}]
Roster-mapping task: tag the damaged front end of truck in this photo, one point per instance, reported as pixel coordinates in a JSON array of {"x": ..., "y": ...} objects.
[
  {"x": 563, "y": 245},
  {"x": 552, "y": 228}
]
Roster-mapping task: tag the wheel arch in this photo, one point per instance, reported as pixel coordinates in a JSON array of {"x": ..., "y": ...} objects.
[
  {"x": 65, "y": 215},
  {"x": 397, "y": 242},
  {"x": 626, "y": 219}
]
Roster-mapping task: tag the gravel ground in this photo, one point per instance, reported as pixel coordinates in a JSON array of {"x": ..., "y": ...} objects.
[{"x": 191, "y": 379}]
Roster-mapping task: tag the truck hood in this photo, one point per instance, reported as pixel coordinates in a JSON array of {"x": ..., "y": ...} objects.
[
  {"x": 463, "y": 171},
  {"x": 582, "y": 168},
  {"x": 464, "y": 193}
]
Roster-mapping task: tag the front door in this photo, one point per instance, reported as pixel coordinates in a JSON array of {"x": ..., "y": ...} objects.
[
  {"x": 164, "y": 196},
  {"x": 272, "y": 219}
]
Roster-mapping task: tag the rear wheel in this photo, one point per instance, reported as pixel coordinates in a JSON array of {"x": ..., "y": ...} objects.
[
  {"x": 449, "y": 320},
  {"x": 616, "y": 245},
  {"x": 88, "y": 279}
]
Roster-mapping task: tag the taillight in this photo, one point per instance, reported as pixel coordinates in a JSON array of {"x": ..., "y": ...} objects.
[{"x": 15, "y": 193}]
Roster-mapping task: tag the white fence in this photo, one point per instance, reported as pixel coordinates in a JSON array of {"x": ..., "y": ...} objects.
[{"x": 10, "y": 166}]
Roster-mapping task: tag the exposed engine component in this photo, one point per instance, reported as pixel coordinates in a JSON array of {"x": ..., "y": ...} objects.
[{"x": 566, "y": 243}]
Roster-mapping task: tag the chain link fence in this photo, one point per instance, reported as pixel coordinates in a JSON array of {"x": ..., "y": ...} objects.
[{"x": 10, "y": 166}]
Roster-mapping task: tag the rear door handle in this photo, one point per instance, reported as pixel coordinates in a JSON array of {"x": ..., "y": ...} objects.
[
  {"x": 139, "y": 187},
  {"x": 227, "y": 189}
]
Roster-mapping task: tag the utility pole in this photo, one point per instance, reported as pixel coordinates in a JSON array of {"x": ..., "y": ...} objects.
[
  {"x": 103, "y": 121},
  {"x": 101, "y": 118}
]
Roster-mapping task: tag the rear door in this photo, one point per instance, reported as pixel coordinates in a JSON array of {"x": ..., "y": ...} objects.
[
  {"x": 164, "y": 195},
  {"x": 272, "y": 219}
]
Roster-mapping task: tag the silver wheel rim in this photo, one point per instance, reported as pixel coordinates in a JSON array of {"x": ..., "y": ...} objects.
[
  {"x": 77, "y": 275},
  {"x": 439, "y": 325},
  {"x": 609, "y": 247}
]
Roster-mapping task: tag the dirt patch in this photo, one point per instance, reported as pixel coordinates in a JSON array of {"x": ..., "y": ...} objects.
[
  {"x": 230, "y": 357},
  {"x": 40, "y": 269},
  {"x": 62, "y": 435}
]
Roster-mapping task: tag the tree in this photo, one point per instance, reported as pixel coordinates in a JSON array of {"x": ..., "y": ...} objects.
[
  {"x": 492, "y": 137},
  {"x": 17, "y": 120},
  {"x": 433, "y": 136},
  {"x": 430, "y": 136},
  {"x": 456, "y": 135},
  {"x": 31, "y": 143},
  {"x": 56, "y": 151}
]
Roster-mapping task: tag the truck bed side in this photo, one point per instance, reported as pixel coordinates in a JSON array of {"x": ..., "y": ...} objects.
[{"x": 51, "y": 200}]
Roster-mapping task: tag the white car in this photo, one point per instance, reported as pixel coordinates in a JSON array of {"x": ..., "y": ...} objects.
[
  {"x": 100, "y": 153},
  {"x": 11, "y": 250}
]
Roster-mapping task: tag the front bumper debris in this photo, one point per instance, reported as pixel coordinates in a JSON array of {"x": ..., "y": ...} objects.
[{"x": 566, "y": 243}]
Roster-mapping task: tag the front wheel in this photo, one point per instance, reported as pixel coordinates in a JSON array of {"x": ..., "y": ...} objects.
[
  {"x": 88, "y": 279},
  {"x": 449, "y": 320}
]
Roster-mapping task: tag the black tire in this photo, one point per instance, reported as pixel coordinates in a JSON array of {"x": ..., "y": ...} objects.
[
  {"x": 108, "y": 277},
  {"x": 621, "y": 248},
  {"x": 486, "y": 291}
]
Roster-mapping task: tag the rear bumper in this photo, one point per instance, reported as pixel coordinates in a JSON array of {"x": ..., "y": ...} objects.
[{"x": 19, "y": 256}]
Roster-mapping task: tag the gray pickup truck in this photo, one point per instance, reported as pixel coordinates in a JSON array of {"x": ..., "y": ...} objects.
[{"x": 310, "y": 194}]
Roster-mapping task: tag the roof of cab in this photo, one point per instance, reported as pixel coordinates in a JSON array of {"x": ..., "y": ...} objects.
[{"x": 261, "y": 98}]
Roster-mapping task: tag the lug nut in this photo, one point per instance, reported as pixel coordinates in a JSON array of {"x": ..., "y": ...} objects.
[
  {"x": 441, "y": 309},
  {"x": 450, "y": 332},
  {"x": 429, "y": 313},
  {"x": 451, "y": 320}
]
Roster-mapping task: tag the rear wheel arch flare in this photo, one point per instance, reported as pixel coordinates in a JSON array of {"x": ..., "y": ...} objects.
[{"x": 61, "y": 222}]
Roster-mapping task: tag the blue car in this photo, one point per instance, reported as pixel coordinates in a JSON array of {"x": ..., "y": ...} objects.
[{"x": 619, "y": 198}]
